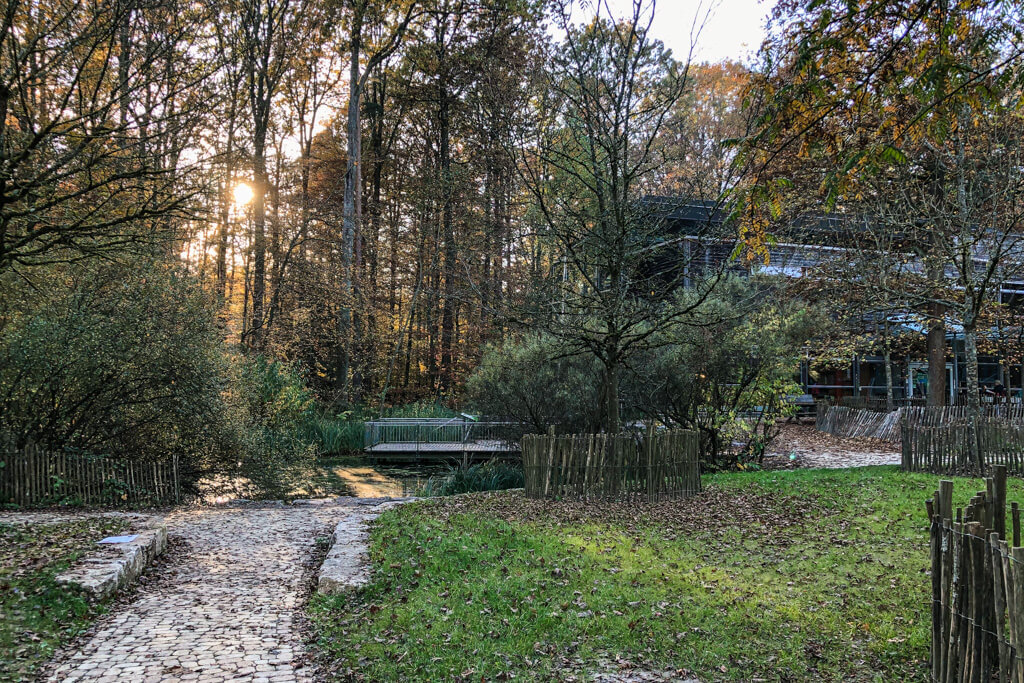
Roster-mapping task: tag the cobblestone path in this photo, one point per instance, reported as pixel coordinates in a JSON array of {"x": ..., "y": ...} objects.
[{"x": 223, "y": 612}]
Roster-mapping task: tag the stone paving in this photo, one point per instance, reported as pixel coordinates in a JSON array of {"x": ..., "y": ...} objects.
[{"x": 224, "y": 611}]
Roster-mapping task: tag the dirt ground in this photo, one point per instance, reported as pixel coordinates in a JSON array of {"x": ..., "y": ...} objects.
[{"x": 801, "y": 445}]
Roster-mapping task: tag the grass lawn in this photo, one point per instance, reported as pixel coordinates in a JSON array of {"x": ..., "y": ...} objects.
[
  {"x": 780, "y": 576},
  {"x": 37, "y": 615}
]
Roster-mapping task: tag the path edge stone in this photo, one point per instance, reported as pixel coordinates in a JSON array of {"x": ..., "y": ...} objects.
[
  {"x": 102, "y": 576},
  {"x": 347, "y": 565}
]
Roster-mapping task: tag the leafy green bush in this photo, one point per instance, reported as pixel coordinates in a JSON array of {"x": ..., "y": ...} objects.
[
  {"x": 494, "y": 475},
  {"x": 532, "y": 380},
  {"x": 274, "y": 395},
  {"x": 114, "y": 358},
  {"x": 127, "y": 360},
  {"x": 725, "y": 370},
  {"x": 276, "y": 409}
]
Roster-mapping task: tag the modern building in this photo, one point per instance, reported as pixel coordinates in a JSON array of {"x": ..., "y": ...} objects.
[{"x": 696, "y": 235}]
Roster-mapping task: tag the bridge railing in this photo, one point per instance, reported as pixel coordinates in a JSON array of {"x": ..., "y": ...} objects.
[{"x": 439, "y": 430}]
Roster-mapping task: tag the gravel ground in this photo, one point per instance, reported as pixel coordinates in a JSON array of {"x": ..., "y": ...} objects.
[{"x": 812, "y": 448}]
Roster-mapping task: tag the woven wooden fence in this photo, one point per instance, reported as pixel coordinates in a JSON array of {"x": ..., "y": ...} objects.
[
  {"x": 623, "y": 467},
  {"x": 964, "y": 447},
  {"x": 977, "y": 573},
  {"x": 33, "y": 476}
]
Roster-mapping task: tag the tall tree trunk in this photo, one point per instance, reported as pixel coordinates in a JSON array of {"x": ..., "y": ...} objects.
[
  {"x": 368, "y": 288},
  {"x": 971, "y": 360},
  {"x": 973, "y": 394},
  {"x": 227, "y": 198},
  {"x": 611, "y": 396},
  {"x": 936, "y": 355},
  {"x": 225, "y": 215},
  {"x": 889, "y": 399},
  {"x": 393, "y": 265},
  {"x": 351, "y": 205},
  {"x": 448, "y": 312},
  {"x": 259, "y": 241}
]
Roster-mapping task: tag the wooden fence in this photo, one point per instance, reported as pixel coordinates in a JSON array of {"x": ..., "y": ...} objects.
[
  {"x": 942, "y": 415},
  {"x": 33, "y": 476},
  {"x": 851, "y": 422},
  {"x": 858, "y": 422},
  {"x": 624, "y": 467},
  {"x": 977, "y": 574},
  {"x": 963, "y": 447}
]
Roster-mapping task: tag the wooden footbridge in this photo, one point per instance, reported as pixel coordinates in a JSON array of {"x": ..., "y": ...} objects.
[{"x": 441, "y": 439}]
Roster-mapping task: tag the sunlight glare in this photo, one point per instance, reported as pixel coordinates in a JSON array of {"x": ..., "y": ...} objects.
[{"x": 243, "y": 194}]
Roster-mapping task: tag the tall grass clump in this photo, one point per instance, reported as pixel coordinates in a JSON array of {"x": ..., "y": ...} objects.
[
  {"x": 494, "y": 475},
  {"x": 336, "y": 435}
]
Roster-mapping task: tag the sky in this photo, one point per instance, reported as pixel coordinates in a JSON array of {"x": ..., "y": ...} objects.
[{"x": 734, "y": 30}]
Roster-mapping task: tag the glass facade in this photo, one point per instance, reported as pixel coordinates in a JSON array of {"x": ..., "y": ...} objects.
[{"x": 865, "y": 377}]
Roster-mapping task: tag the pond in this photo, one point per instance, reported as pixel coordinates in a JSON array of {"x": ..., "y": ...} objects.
[{"x": 362, "y": 478}]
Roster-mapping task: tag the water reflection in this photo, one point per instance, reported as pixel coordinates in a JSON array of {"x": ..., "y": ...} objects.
[
  {"x": 363, "y": 479},
  {"x": 329, "y": 477},
  {"x": 366, "y": 482}
]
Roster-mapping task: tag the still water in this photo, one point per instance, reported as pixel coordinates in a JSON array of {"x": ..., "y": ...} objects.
[
  {"x": 363, "y": 479},
  {"x": 331, "y": 477}
]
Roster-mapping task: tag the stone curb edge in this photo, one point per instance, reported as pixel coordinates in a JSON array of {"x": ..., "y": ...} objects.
[
  {"x": 100, "y": 576},
  {"x": 347, "y": 565}
]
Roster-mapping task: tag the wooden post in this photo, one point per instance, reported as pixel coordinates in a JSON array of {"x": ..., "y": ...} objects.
[
  {"x": 936, "y": 557},
  {"x": 952, "y": 659},
  {"x": 1016, "y": 556},
  {"x": 649, "y": 448},
  {"x": 177, "y": 485},
  {"x": 905, "y": 463},
  {"x": 999, "y": 595},
  {"x": 550, "y": 460}
]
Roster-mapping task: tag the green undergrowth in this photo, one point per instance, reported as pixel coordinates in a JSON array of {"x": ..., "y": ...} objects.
[
  {"x": 780, "y": 576},
  {"x": 36, "y": 614},
  {"x": 494, "y": 475}
]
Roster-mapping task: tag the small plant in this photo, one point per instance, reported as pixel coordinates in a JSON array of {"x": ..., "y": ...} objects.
[
  {"x": 115, "y": 489},
  {"x": 494, "y": 475}
]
